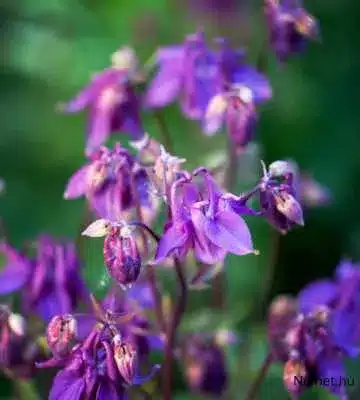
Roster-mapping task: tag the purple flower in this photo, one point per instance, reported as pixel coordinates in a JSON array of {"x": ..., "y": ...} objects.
[
  {"x": 277, "y": 196},
  {"x": 201, "y": 221},
  {"x": 236, "y": 105},
  {"x": 205, "y": 366},
  {"x": 186, "y": 71},
  {"x": 312, "y": 193},
  {"x": 50, "y": 283},
  {"x": 290, "y": 27},
  {"x": 109, "y": 181},
  {"x": 112, "y": 102},
  {"x": 104, "y": 363}
]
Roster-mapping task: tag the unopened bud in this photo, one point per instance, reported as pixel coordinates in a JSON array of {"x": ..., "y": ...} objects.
[
  {"x": 61, "y": 333},
  {"x": 294, "y": 376},
  {"x": 122, "y": 256},
  {"x": 287, "y": 205},
  {"x": 126, "y": 359}
]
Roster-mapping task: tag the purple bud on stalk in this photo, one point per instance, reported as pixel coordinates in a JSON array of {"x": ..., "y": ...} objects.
[
  {"x": 126, "y": 359},
  {"x": 61, "y": 333}
]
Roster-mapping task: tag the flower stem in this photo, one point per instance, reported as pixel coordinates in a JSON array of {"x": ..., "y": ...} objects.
[
  {"x": 166, "y": 137},
  {"x": 171, "y": 332},
  {"x": 255, "y": 386},
  {"x": 150, "y": 273}
]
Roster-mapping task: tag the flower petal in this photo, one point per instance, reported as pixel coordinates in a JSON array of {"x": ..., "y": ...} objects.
[
  {"x": 98, "y": 228},
  {"x": 66, "y": 386},
  {"x": 255, "y": 81},
  {"x": 77, "y": 184},
  {"x": 228, "y": 231},
  {"x": 107, "y": 391},
  {"x": 164, "y": 87},
  {"x": 214, "y": 116},
  {"x": 174, "y": 238},
  {"x": 99, "y": 127},
  {"x": 322, "y": 292},
  {"x": 16, "y": 271}
]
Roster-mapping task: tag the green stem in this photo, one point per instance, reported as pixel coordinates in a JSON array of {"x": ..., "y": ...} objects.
[{"x": 256, "y": 385}]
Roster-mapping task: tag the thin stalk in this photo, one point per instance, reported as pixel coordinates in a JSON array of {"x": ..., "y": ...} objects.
[
  {"x": 172, "y": 328},
  {"x": 256, "y": 385},
  {"x": 150, "y": 273},
  {"x": 166, "y": 137}
]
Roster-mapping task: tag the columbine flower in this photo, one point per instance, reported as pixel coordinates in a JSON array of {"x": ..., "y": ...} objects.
[
  {"x": 187, "y": 71},
  {"x": 205, "y": 366},
  {"x": 313, "y": 335},
  {"x": 290, "y": 27},
  {"x": 109, "y": 181},
  {"x": 121, "y": 254},
  {"x": 201, "y": 221},
  {"x": 112, "y": 102},
  {"x": 50, "y": 283},
  {"x": 235, "y": 102},
  {"x": 104, "y": 363}
]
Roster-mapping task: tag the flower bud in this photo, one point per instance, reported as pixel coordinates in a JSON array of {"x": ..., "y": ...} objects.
[
  {"x": 126, "y": 359},
  {"x": 287, "y": 205},
  {"x": 122, "y": 256},
  {"x": 280, "y": 168},
  {"x": 61, "y": 333},
  {"x": 295, "y": 376}
]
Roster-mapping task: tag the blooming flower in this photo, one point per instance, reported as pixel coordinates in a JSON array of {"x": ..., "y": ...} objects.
[
  {"x": 187, "y": 71},
  {"x": 313, "y": 334},
  {"x": 112, "y": 102},
  {"x": 112, "y": 182},
  {"x": 201, "y": 221},
  {"x": 50, "y": 283},
  {"x": 290, "y": 27}
]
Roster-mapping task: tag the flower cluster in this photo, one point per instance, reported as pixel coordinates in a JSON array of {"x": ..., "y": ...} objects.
[
  {"x": 315, "y": 332},
  {"x": 100, "y": 352}
]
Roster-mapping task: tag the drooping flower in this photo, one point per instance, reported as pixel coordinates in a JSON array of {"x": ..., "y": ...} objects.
[
  {"x": 290, "y": 27},
  {"x": 313, "y": 334},
  {"x": 187, "y": 71},
  {"x": 205, "y": 366},
  {"x": 104, "y": 362},
  {"x": 113, "y": 183},
  {"x": 201, "y": 221},
  {"x": 51, "y": 282},
  {"x": 112, "y": 101}
]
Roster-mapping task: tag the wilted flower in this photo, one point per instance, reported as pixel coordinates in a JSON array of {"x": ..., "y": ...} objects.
[
  {"x": 290, "y": 27},
  {"x": 112, "y": 102},
  {"x": 205, "y": 366},
  {"x": 50, "y": 282}
]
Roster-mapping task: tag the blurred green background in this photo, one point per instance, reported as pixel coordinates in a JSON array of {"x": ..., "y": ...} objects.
[{"x": 51, "y": 48}]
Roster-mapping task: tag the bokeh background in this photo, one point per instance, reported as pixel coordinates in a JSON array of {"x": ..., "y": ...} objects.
[{"x": 51, "y": 48}]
